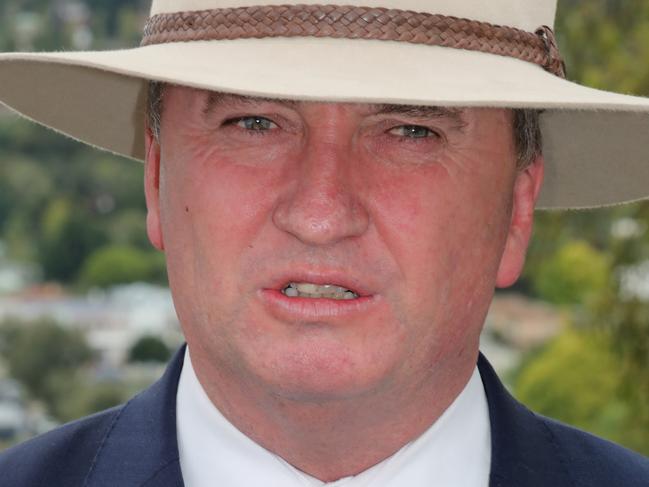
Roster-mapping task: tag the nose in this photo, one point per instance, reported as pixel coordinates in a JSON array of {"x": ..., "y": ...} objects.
[{"x": 323, "y": 206}]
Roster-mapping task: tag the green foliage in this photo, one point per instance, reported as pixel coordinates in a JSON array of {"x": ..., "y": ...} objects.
[
  {"x": 69, "y": 236},
  {"x": 128, "y": 227},
  {"x": 603, "y": 41},
  {"x": 628, "y": 321},
  {"x": 82, "y": 397},
  {"x": 50, "y": 361},
  {"x": 43, "y": 355},
  {"x": 574, "y": 274},
  {"x": 576, "y": 379},
  {"x": 149, "y": 349},
  {"x": 22, "y": 181},
  {"x": 82, "y": 200},
  {"x": 120, "y": 264},
  {"x": 112, "y": 23}
]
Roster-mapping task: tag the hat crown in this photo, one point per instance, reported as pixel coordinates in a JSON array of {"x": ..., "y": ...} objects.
[{"x": 522, "y": 14}]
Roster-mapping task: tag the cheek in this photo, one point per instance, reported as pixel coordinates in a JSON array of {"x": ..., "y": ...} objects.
[
  {"x": 416, "y": 212},
  {"x": 210, "y": 215},
  {"x": 221, "y": 196},
  {"x": 446, "y": 231},
  {"x": 399, "y": 200}
]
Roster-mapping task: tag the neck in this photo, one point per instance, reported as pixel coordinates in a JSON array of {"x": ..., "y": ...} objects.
[{"x": 336, "y": 438}]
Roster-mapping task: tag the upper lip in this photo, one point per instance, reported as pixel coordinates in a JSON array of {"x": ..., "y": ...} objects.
[{"x": 335, "y": 277}]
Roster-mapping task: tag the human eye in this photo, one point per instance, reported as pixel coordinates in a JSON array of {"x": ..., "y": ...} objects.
[
  {"x": 253, "y": 123},
  {"x": 412, "y": 132}
]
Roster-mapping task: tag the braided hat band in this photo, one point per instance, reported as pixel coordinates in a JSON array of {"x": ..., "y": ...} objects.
[{"x": 350, "y": 22}]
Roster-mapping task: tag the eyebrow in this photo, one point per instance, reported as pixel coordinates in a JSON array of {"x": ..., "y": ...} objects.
[
  {"x": 422, "y": 111},
  {"x": 214, "y": 99},
  {"x": 455, "y": 114}
]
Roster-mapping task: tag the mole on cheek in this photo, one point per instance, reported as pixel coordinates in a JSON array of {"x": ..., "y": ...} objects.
[{"x": 186, "y": 209}]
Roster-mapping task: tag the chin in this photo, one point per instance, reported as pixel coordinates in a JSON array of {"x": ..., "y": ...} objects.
[{"x": 321, "y": 370}]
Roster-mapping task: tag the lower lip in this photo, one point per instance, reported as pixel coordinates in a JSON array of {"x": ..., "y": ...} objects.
[{"x": 314, "y": 309}]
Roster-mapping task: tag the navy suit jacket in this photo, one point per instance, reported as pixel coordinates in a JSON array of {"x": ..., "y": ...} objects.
[{"x": 135, "y": 445}]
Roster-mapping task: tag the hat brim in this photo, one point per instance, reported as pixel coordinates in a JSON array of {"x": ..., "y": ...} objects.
[{"x": 595, "y": 142}]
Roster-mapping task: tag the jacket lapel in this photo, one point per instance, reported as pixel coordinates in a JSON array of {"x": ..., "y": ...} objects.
[
  {"x": 523, "y": 451},
  {"x": 141, "y": 449}
]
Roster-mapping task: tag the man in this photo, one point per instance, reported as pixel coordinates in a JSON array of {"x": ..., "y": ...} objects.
[{"x": 338, "y": 191}]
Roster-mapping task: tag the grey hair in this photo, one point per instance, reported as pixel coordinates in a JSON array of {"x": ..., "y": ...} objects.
[
  {"x": 153, "y": 112},
  {"x": 528, "y": 140}
]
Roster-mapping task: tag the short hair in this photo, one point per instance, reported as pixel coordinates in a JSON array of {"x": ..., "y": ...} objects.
[
  {"x": 153, "y": 109},
  {"x": 526, "y": 126}
]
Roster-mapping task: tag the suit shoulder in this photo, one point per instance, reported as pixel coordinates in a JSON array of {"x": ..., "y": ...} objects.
[
  {"x": 61, "y": 457},
  {"x": 595, "y": 461}
]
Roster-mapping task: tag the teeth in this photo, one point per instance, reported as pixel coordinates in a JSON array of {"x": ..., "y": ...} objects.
[
  {"x": 310, "y": 290},
  {"x": 305, "y": 288},
  {"x": 291, "y": 292}
]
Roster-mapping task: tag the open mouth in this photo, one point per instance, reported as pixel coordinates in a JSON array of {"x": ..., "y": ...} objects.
[{"x": 318, "y": 291}]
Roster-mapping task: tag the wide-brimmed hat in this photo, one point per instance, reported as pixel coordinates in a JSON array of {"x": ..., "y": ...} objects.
[{"x": 499, "y": 53}]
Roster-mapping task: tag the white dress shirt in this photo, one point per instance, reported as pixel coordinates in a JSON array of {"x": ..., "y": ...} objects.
[{"x": 454, "y": 452}]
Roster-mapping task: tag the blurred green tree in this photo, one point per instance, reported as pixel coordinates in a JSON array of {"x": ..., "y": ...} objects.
[
  {"x": 576, "y": 379},
  {"x": 43, "y": 355},
  {"x": 120, "y": 264},
  {"x": 149, "y": 349},
  {"x": 81, "y": 396},
  {"x": 602, "y": 41},
  {"x": 69, "y": 236},
  {"x": 575, "y": 274}
]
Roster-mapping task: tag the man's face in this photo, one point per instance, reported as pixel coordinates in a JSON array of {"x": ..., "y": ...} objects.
[{"x": 415, "y": 214}]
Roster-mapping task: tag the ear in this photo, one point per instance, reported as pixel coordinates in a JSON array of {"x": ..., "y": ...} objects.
[
  {"x": 526, "y": 191},
  {"x": 152, "y": 190}
]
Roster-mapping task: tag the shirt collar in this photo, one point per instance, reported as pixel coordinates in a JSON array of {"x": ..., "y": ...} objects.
[{"x": 455, "y": 450}]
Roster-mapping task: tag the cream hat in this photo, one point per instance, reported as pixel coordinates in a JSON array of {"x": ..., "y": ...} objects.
[{"x": 420, "y": 52}]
